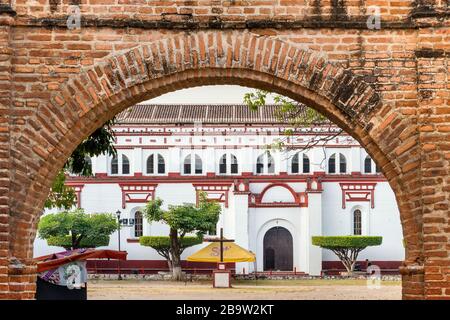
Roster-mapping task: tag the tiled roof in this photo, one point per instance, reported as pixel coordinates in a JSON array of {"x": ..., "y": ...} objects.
[{"x": 191, "y": 113}]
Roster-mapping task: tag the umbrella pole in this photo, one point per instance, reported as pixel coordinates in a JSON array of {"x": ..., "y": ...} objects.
[{"x": 221, "y": 245}]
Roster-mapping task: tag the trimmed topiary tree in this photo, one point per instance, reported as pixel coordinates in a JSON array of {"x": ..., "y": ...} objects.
[
  {"x": 76, "y": 229},
  {"x": 183, "y": 220},
  {"x": 162, "y": 245},
  {"x": 66, "y": 242},
  {"x": 346, "y": 248}
]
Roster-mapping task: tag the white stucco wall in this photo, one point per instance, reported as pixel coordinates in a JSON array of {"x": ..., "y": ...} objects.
[{"x": 383, "y": 220}]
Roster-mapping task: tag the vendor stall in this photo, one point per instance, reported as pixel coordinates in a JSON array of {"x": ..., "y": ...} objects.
[{"x": 63, "y": 275}]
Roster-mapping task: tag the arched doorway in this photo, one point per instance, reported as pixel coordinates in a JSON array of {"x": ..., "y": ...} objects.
[{"x": 278, "y": 250}]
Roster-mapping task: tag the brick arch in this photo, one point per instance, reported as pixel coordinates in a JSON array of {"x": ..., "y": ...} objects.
[{"x": 86, "y": 101}]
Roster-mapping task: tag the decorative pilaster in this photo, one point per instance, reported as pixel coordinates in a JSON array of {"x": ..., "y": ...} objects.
[{"x": 314, "y": 225}]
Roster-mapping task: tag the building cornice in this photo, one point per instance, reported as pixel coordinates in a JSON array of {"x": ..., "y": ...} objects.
[{"x": 217, "y": 179}]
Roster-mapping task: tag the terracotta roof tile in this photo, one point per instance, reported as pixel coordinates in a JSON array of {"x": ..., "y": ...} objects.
[{"x": 190, "y": 113}]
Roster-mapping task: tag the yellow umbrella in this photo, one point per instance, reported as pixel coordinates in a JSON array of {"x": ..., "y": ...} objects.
[{"x": 231, "y": 253}]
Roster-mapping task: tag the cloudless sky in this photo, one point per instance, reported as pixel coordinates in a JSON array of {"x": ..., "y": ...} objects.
[{"x": 226, "y": 94}]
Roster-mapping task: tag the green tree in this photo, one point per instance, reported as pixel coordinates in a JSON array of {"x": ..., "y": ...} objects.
[
  {"x": 76, "y": 229},
  {"x": 99, "y": 142},
  {"x": 182, "y": 220},
  {"x": 162, "y": 245},
  {"x": 346, "y": 248}
]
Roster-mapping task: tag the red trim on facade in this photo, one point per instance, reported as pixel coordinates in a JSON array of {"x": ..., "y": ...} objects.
[
  {"x": 300, "y": 198},
  {"x": 334, "y": 267},
  {"x": 175, "y": 177},
  {"x": 78, "y": 187},
  {"x": 132, "y": 189},
  {"x": 314, "y": 185},
  {"x": 358, "y": 192},
  {"x": 213, "y": 190},
  {"x": 142, "y": 130},
  {"x": 101, "y": 175},
  {"x": 217, "y": 146},
  {"x": 149, "y": 266},
  {"x": 154, "y": 266}
]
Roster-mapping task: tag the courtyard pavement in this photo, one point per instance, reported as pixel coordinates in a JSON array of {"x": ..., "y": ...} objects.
[{"x": 243, "y": 290}]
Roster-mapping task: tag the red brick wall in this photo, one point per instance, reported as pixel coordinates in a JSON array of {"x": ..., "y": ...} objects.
[{"x": 388, "y": 88}]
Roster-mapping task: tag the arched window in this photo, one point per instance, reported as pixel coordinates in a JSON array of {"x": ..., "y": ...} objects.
[
  {"x": 195, "y": 166},
  {"x": 138, "y": 224},
  {"x": 306, "y": 164},
  {"x": 223, "y": 164},
  {"x": 125, "y": 165},
  {"x": 368, "y": 165},
  {"x": 295, "y": 163},
  {"x": 187, "y": 165},
  {"x": 115, "y": 165},
  {"x": 342, "y": 163},
  {"x": 332, "y": 163},
  {"x": 228, "y": 164},
  {"x": 377, "y": 168},
  {"x": 161, "y": 164},
  {"x": 265, "y": 163},
  {"x": 357, "y": 224},
  {"x": 198, "y": 164},
  {"x": 260, "y": 164},
  {"x": 151, "y": 164},
  {"x": 153, "y": 167},
  {"x": 234, "y": 165},
  {"x": 87, "y": 169},
  {"x": 270, "y": 163}
]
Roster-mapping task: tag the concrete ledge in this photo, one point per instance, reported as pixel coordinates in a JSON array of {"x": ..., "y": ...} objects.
[{"x": 412, "y": 269}]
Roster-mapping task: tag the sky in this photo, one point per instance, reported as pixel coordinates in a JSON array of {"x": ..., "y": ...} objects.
[{"x": 221, "y": 94}]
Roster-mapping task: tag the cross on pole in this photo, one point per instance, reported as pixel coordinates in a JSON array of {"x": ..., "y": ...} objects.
[{"x": 221, "y": 240}]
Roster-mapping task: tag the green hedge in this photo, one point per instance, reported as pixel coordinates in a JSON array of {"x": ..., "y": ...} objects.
[
  {"x": 346, "y": 241},
  {"x": 164, "y": 242},
  {"x": 66, "y": 242}
]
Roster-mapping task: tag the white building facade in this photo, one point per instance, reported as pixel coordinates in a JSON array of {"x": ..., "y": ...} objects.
[{"x": 273, "y": 200}]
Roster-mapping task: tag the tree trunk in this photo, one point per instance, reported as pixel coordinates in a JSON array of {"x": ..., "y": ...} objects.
[
  {"x": 175, "y": 255},
  {"x": 169, "y": 264},
  {"x": 166, "y": 255}
]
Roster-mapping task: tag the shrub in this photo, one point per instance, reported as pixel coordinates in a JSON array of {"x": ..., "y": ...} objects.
[
  {"x": 329, "y": 242},
  {"x": 346, "y": 248}
]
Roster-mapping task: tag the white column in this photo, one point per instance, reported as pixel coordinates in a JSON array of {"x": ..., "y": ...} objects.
[
  {"x": 249, "y": 159},
  {"x": 283, "y": 159},
  {"x": 241, "y": 227},
  {"x": 101, "y": 164},
  {"x": 315, "y": 229},
  {"x": 137, "y": 161},
  {"x": 209, "y": 159},
  {"x": 355, "y": 159},
  {"x": 318, "y": 160},
  {"x": 174, "y": 162}
]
